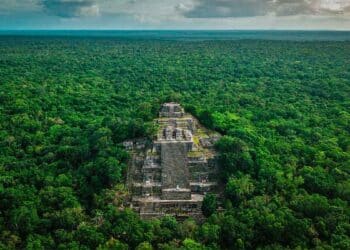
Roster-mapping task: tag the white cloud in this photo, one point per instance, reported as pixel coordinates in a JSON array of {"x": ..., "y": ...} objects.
[{"x": 251, "y": 8}]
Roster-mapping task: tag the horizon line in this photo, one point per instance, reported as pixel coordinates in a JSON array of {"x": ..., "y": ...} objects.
[{"x": 211, "y": 30}]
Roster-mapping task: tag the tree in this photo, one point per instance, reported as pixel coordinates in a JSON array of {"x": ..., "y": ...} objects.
[
  {"x": 209, "y": 204},
  {"x": 89, "y": 236},
  {"x": 239, "y": 188},
  {"x": 144, "y": 246},
  {"x": 209, "y": 233},
  {"x": 189, "y": 244},
  {"x": 311, "y": 205},
  {"x": 235, "y": 156},
  {"x": 113, "y": 244}
]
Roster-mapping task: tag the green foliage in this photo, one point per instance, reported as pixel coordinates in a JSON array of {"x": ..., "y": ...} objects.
[
  {"x": 239, "y": 188},
  {"x": 144, "y": 246},
  {"x": 189, "y": 244},
  {"x": 67, "y": 103},
  {"x": 209, "y": 204},
  {"x": 113, "y": 244},
  {"x": 235, "y": 156}
]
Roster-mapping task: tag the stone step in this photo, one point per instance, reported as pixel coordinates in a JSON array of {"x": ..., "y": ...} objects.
[
  {"x": 203, "y": 184},
  {"x": 150, "y": 184},
  {"x": 200, "y": 176},
  {"x": 153, "y": 166},
  {"x": 201, "y": 188},
  {"x": 196, "y": 161}
]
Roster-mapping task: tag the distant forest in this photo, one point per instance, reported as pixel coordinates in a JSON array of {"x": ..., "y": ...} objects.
[{"x": 282, "y": 107}]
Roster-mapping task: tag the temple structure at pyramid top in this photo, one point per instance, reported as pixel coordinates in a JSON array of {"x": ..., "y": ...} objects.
[{"x": 172, "y": 110}]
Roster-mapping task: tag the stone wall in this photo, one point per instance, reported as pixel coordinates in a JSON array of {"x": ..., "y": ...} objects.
[
  {"x": 176, "y": 194},
  {"x": 175, "y": 173}
]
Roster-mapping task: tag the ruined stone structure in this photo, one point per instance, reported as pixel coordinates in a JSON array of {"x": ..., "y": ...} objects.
[{"x": 172, "y": 174}]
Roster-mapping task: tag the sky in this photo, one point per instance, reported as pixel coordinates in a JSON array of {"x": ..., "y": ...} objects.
[{"x": 175, "y": 14}]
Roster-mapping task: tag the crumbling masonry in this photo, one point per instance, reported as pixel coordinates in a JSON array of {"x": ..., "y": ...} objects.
[{"x": 172, "y": 174}]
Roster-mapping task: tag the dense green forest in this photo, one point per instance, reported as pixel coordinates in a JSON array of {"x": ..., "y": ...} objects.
[{"x": 66, "y": 104}]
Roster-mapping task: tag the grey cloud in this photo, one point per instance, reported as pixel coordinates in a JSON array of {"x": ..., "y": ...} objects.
[
  {"x": 252, "y": 8},
  {"x": 310, "y": 7},
  {"x": 293, "y": 7},
  {"x": 347, "y": 9},
  {"x": 71, "y": 8},
  {"x": 228, "y": 8}
]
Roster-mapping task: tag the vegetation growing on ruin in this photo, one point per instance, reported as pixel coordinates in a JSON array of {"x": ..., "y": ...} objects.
[{"x": 66, "y": 104}]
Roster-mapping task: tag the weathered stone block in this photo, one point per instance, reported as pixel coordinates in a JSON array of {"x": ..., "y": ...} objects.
[
  {"x": 176, "y": 194},
  {"x": 174, "y": 169}
]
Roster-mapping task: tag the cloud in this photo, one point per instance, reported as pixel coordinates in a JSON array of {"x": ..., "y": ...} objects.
[
  {"x": 15, "y": 6},
  {"x": 71, "y": 8},
  {"x": 253, "y": 8},
  {"x": 228, "y": 8},
  {"x": 294, "y": 7},
  {"x": 181, "y": 7}
]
